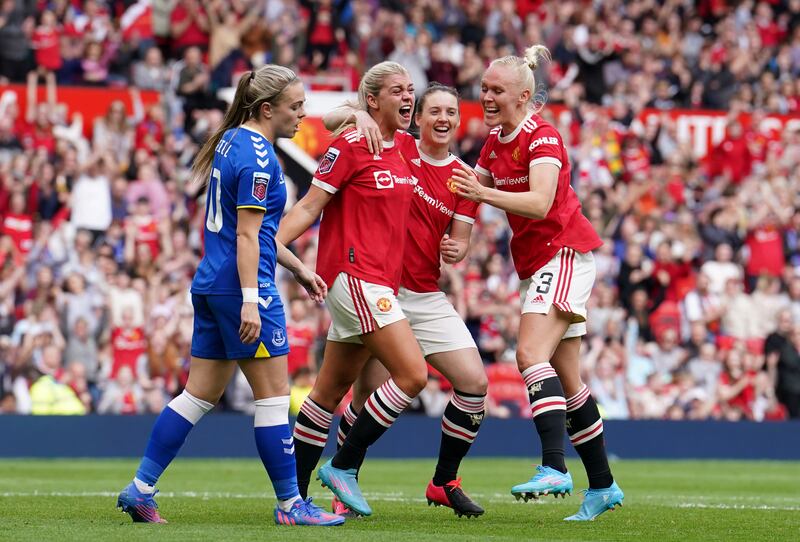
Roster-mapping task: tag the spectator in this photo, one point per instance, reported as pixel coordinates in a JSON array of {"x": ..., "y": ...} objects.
[
  {"x": 151, "y": 73},
  {"x": 15, "y": 26},
  {"x": 706, "y": 369},
  {"x": 721, "y": 269},
  {"x": 302, "y": 382},
  {"x": 189, "y": 26},
  {"x": 91, "y": 196},
  {"x": 123, "y": 395},
  {"x": 48, "y": 396}
]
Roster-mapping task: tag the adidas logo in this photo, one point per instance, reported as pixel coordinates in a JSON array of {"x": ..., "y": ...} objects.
[
  {"x": 492, "y": 155},
  {"x": 416, "y": 162},
  {"x": 538, "y": 299}
]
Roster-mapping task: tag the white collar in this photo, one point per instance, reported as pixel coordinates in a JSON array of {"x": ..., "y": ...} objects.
[
  {"x": 510, "y": 137},
  {"x": 433, "y": 161},
  {"x": 252, "y": 130}
]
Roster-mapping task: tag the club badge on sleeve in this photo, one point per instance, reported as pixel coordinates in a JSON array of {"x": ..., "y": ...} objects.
[
  {"x": 326, "y": 164},
  {"x": 260, "y": 182}
]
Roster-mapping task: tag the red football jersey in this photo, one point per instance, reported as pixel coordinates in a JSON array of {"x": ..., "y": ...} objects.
[
  {"x": 126, "y": 347},
  {"x": 363, "y": 227},
  {"x": 432, "y": 209},
  {"x": 507, "y": 160}
]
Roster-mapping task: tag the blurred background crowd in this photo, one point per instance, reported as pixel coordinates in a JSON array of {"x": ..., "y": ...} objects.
[{"x": 696, "y": 309}]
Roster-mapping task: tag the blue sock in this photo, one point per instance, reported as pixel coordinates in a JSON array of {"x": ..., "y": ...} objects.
[
  {"x": 168, "y": 435},
  {"x": 276, "y": 446}
]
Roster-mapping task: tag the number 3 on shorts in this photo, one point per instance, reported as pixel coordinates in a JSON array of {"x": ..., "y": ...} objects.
[{"x": 545, "y": 280}]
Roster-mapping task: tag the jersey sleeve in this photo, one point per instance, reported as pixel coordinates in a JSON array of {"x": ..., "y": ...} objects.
[
  {"x": 482, "y": 165},
  {"x": 337, "y": 165},
  {"x": 545, "y": 147},
  {"x": 255, "y": 168},
  {"x": 465, "y": 210}
]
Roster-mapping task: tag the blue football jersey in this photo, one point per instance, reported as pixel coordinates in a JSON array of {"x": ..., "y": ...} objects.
[{"x": 245, "y": 174}]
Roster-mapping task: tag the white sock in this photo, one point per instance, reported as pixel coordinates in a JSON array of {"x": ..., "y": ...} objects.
[
  {"x": 287, "y": 504},
  {"x": 143, "y": 487}
]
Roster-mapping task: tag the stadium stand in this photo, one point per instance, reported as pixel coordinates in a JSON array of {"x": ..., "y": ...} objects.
[{"x": 696, "y": 312}]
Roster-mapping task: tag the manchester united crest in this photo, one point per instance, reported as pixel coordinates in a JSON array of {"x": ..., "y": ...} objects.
[
  {"x": 384, "y": 304},
  {"x": 515, "y": 155},
  {"x": 451, "y": 185}
]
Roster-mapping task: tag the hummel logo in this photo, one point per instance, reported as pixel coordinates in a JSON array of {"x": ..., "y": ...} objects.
[
  {"x": 536, "y": 387},
  {"x": 416, "y": 162},
  {"x": 492, "y": 155},
  {"x": 538, "y": 299}
]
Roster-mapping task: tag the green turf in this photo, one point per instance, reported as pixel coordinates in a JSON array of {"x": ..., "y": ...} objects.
[{"x": 231, "y": 500}]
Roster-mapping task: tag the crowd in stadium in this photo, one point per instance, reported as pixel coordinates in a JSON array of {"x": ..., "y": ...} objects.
[{"x": 696, "y": 310}]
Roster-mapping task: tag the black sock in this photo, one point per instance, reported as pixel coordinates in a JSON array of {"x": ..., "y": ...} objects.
[
  {"x": 548, "y": 407},
  {"x": 585, "y": 429},
  {"x": 310, "y": 435},
  {"x": 460, "y": 423},
  {"x": 379, "y": 413}
]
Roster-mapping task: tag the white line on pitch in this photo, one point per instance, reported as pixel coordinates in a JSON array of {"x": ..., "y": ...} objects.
[{"x": 496, "y": 498}]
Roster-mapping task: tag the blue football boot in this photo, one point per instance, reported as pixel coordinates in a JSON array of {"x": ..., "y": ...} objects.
[
  {"x": 140, "y": 506},
  {"x": 304, "y": 512},
  {"x": 344, "y": 485},
  {"x": 597, "y": 501},
  {"x": 546, "y": 481}
]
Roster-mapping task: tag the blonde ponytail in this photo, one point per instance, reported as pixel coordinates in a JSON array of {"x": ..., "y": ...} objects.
[
  {"x": 536, "y": 53},
  {"x": 254, "y": 88}
]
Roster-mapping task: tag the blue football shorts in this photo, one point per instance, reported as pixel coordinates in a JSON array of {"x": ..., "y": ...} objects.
[{"x": 216, "y": 328}]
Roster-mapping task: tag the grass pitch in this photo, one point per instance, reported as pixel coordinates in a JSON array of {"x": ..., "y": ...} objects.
[{"x": 232, "y": 500}]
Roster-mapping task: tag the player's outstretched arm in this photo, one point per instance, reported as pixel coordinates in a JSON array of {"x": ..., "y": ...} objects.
[
  {"x": 312, "y": 282},
  {"x": 536, "y": 203},
  {"x": 304, "y": 213}
]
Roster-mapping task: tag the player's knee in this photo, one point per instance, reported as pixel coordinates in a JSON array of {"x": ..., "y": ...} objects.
[
  {"x": 481, "y": 383},
  {"x": 526, "y": 357},
  {"x": 474, "y": 382},
  {"x": 413, "y": 382}
]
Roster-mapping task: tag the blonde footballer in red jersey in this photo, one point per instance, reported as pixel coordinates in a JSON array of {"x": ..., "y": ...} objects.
[
  {"x": 439, "y": 228},
  {"x": 524, "y": 169},
  {"x": 366, "y": 198}
]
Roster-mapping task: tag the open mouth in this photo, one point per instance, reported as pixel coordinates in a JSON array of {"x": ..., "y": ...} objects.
[
  {"x": 491, "y": 109},
  {"x": 442, "y": 130},
  {"x": 405, "y": 112}
]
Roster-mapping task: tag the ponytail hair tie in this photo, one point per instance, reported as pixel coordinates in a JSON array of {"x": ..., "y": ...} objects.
[{"x": 252, "y": 76}]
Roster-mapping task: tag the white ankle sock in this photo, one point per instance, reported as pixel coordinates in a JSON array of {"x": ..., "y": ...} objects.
[
  {"x": 287, "y": 504},
  {"x": 143, "y": 487}
]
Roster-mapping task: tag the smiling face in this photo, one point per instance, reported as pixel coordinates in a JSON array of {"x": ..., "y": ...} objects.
[
  {"x": 438, "y": 118},
  {"x": 394, "y": 103},
  {"x": 501, "y": 97},
  {"x": 288, "y": 111}
]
